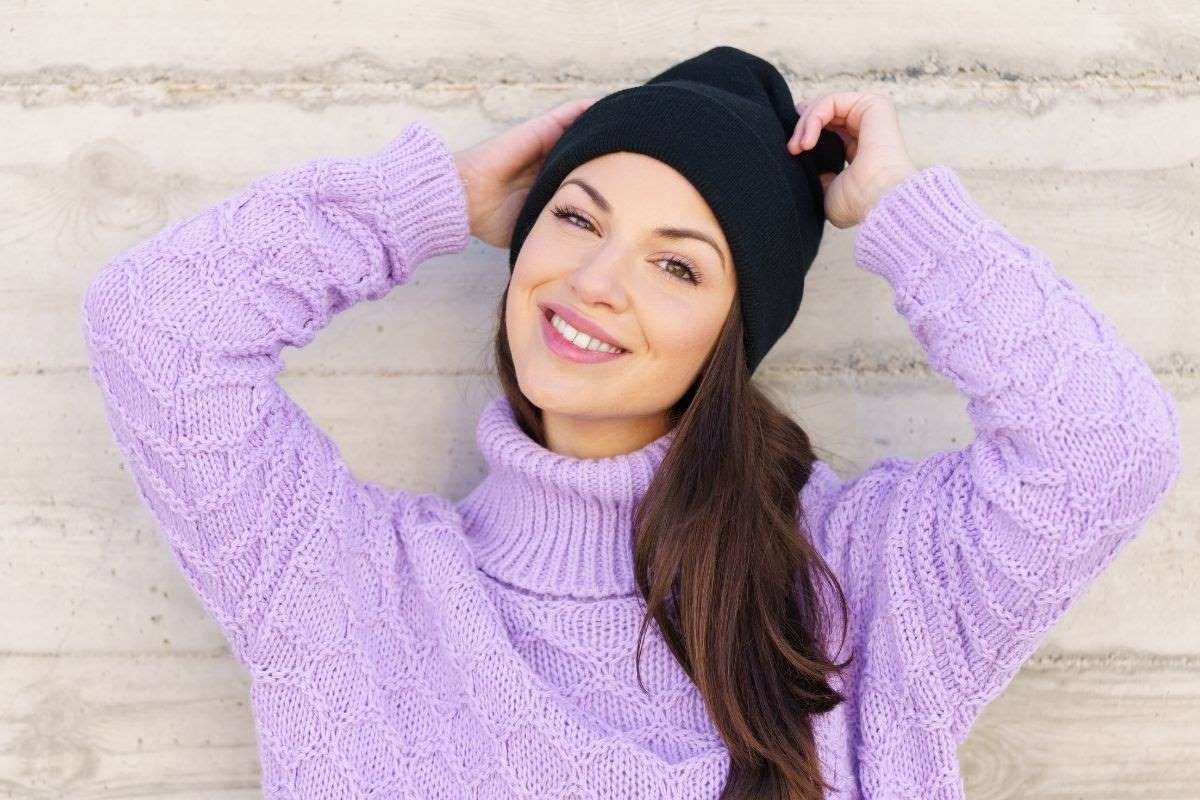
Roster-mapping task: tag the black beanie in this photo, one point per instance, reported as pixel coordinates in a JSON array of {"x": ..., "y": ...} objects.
[{"x": 722, "y": 119}]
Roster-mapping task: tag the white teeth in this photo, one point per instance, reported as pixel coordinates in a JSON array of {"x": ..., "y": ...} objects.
[{"x": 580, "y": 339}]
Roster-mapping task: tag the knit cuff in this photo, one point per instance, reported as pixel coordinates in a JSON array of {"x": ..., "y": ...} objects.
[
  {"x": 415, "y": 189},
  {"x": 917, "y": 219}
]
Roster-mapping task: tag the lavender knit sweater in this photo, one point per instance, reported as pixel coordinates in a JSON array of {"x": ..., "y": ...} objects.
[{"x": 408, "y": 645}]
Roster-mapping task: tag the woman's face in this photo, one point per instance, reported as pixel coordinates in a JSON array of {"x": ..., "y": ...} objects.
[{"x": 621, "y": 245}]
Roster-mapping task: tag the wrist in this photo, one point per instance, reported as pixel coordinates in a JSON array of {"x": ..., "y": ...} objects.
[
  {"x": 916, "y": 221},
  {"x": 887, "y": 181},
  {"x": 464, "y": 179}
]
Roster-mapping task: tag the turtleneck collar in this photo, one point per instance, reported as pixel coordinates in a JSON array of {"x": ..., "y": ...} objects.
[{"x": 554, "y": 524}]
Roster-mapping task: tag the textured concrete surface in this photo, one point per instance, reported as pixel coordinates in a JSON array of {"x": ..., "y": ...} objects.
[{"x": 1075, "y": 125}]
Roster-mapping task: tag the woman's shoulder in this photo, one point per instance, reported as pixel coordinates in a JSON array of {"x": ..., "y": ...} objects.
[
  {"x": 823, "y": 481},
  {"x": 414, "y": 511}
]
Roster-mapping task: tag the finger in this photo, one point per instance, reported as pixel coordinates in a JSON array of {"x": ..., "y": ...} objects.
[
  {"x": 565, "y": 113},
  {"x": 843, "y": 108},
  {"x": 814, "y": 119},
  {"x": 794, "y": 139},
  {"x": 805, "y": 109},
  {"x": 549, "y": 127},
  {"x": 533, "y": 139},
  {"x": 797, "y": 143}
]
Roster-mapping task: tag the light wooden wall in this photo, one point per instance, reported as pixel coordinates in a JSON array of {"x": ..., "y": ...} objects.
[{"x": 1077, "y": 125}]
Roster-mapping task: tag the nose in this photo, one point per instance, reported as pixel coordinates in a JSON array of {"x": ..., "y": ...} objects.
[{"x": 601, "y": 279}]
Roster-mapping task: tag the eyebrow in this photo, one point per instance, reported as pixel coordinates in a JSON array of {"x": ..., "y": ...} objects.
[{"x": 667, "y": 232}]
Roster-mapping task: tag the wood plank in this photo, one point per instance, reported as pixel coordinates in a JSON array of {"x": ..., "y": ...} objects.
[{"x": 224, "y": 44}]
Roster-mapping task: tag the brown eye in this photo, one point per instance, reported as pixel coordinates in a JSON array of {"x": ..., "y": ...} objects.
[
  {"x": 686, "y": 273},
  {"x": 565, "y": 213}
]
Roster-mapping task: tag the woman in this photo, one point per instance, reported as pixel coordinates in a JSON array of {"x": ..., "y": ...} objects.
[{"x": 407, "y": 645}]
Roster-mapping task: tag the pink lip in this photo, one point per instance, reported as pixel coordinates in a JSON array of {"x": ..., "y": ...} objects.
[
  {"x": 560, "y": 346},
  {"x": 581, "y": 323}
]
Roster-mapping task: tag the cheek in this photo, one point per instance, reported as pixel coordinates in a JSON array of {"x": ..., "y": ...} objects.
[
  {"x": 538, "y": 264},
  {"x": 683, "y": 335},
  {"x": 521, "y": 313}
]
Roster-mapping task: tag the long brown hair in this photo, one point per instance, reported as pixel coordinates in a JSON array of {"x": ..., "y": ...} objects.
[{"x": 728, "y": 570}]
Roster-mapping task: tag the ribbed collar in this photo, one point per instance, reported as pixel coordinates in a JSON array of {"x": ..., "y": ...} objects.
[{"x": 550, "y": 523}]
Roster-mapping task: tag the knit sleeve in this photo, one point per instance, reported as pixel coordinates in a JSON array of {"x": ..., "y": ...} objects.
[
  {"x": 184, "y": 333},
  {"x": 961, "y": 561}
]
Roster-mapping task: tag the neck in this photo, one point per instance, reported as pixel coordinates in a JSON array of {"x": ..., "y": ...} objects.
[{"x": 603, "y": 437}]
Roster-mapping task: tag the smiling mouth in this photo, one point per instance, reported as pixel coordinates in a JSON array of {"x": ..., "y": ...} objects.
[
  {"x": 556, "y": 342},
  {"x": 583, "y": 342}
]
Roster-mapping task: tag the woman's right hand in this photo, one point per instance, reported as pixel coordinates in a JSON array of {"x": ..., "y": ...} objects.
[
  {"x": 497, "y": 172},
  {"x": 875, "y": 150}
]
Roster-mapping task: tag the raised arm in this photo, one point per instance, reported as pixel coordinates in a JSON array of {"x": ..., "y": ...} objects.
[
  {"x": 963, "y": 560},
  {"x": 184, "y": 333}
]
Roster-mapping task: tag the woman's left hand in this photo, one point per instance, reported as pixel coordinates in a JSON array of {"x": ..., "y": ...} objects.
[{"x": 875, "y": 150}]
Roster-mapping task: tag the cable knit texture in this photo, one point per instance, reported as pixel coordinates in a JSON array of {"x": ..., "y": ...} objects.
[{"x": 404, "y": 644}]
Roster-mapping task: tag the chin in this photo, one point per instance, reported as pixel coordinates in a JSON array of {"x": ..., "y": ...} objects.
[{"x": 550, "y": 390}]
